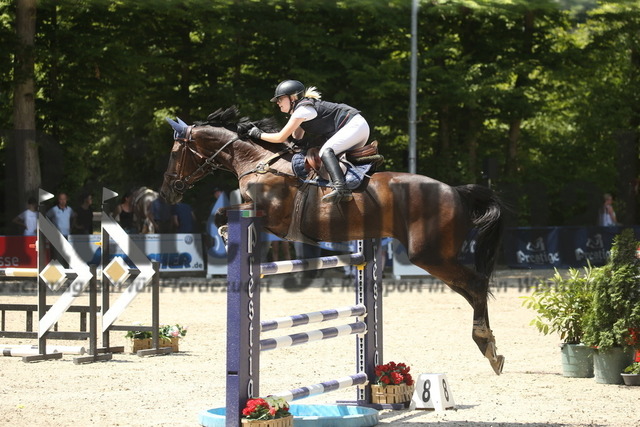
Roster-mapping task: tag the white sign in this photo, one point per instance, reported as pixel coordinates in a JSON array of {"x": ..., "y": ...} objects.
[
  {"x": 175, "y": 252},
  {"x": 432, "y": 392}
]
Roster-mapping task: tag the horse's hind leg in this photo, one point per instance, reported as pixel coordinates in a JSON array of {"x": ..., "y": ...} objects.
[{"x": 474, "y": 288}]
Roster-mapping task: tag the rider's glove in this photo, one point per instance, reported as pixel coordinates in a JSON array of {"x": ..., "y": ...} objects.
[{"x": 255, "y": 133}]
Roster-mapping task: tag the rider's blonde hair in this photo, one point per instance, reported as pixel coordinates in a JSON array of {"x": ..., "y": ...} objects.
[{"x": 311, "y": 92}]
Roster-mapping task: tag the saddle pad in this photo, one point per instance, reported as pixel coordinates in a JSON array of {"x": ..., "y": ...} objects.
[{"x": 353, "y": 177}]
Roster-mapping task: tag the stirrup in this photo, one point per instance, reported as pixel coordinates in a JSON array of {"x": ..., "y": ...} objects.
[{"x": 337, "y": 196}]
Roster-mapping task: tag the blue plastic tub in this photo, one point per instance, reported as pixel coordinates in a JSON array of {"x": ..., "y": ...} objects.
[{"x": 309, "y": 416}]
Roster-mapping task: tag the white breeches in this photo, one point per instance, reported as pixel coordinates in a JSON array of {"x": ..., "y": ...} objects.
[{"x": 354, "y": 134}]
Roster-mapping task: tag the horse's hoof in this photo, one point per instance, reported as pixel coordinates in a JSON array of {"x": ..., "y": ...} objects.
[
  {"x": 497, "y": 364},
  {"x": 223, "y": 231}
]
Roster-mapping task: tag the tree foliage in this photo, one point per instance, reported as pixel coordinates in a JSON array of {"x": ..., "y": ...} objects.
[{"x": 549, "y": 94}]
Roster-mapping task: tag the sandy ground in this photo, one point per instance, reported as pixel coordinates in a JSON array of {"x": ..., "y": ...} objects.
[{"x": 427, "y": 327}]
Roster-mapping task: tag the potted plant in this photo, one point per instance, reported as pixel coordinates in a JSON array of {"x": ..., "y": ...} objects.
[
  {"x": 139, "y": 340},
  {"x": 169, "y": 336},
  {"x": 614, "y": 314},
  {"x": 631, "y": 374},
  {"x": 562, "y": 304},
  {"x": 393, "y": 384},
  {"x": 269, "y": 411}
]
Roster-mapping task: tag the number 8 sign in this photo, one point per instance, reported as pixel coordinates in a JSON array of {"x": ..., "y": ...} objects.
[{"x": 432, "y": 392}]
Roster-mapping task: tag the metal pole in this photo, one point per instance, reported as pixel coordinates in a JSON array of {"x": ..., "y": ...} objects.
[{"x": 414, "y": 87}]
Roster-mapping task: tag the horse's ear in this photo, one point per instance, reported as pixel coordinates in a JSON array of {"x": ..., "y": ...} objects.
[{"x": 179, "y": 127}]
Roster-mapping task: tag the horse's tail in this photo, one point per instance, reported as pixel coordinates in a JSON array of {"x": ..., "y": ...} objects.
[{"x": 486, "y": 212}]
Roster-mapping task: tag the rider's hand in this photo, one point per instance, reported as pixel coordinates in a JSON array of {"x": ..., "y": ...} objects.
[
  {"x": 255, "y": 133},
  {"x": 243, "y": 129}
]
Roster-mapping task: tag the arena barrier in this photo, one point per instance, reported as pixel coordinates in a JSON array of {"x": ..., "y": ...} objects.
[
  {"x": 53, "y": 275},
  {"x": 244, "y": 326}
]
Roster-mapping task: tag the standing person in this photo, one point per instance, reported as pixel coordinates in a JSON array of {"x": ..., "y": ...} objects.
[
  {"x": 337, "y": 128},
  {"x": 62, "y": 215},
  {"x": 160, "y": 216},
  {"x": 184, "y": 219},
  {"x": 28, "y": 219},
  {"x": 84, "y": 215},
  {"x": 123, "y": 213},
  {"x": 607, "y": 216}
]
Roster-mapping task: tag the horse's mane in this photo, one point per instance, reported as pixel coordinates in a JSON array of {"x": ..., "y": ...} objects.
[{"x": 230, "y": 119}]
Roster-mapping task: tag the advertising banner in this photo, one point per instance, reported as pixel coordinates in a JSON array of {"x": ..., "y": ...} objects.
[
  {"x": 18, "y": 252},
  {"x": 560, "y": 247},
  {"x": 174, "y": 252}
]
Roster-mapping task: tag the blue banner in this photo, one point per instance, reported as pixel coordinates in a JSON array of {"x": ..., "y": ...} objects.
[{"x": 560, "y": 247}]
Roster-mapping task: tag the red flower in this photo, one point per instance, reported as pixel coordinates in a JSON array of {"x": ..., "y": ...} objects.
[
  {"x": 255, "y": 405},
  {"x": 408, "y": 380},
  {"x": 396, "y": 377},
  {"x": 393, "y": 373}
]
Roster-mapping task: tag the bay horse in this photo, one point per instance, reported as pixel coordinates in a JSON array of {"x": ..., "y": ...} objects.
[{"x": 431, "y": 219}]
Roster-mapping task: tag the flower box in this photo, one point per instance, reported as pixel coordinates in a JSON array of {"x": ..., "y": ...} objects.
[
  {"x": 278, "y": 422},
  {"x": 140, "y": 344},
  {"x": 172, "y": 342},
  {"x": 400, "y": 393}
]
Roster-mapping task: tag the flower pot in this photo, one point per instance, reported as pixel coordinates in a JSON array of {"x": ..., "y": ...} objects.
[
  {"x": 173, "y": 343},
  {"x": 400, "y": 393},
  {"x": 608, "y": 364},
  {"x": 140, "y": 344},
  {"x": 278, "y": 422},
  {"x": 631, "y": 379},
  {"x": 577, "y": 360}
]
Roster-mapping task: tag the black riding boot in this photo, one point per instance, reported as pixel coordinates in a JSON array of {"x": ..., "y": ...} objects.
[{"x": 340, "y": 191}]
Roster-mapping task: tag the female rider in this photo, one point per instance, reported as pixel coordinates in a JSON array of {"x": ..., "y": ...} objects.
[{"x": 339, "y": 126}]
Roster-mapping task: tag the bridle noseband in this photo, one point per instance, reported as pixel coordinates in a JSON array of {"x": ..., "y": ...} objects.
[{"x": 209, "y": 165}]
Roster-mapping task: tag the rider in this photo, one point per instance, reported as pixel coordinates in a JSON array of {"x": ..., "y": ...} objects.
[{"x": 340, "y": 127}]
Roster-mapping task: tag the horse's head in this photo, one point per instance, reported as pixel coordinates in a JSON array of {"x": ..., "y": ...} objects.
[
  {"x": 207, "y": 146},
  {"x": 196, "y": 152}
]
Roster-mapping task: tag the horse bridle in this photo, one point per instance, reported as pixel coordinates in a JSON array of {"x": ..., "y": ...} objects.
[{"x": 209, "y": 165}]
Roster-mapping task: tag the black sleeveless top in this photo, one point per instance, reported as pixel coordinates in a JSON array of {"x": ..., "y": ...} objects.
[
  {"x": 331, "y": 118},
  {"x": 126, "y": 220}
]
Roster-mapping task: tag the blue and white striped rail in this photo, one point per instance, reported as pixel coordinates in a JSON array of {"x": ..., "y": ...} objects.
[
  {"x": 324, "y": 387},
  {"x": 317, "y": 335},
  {"x": 296, "y": 265},
  {"x": 313, "y": 317}
]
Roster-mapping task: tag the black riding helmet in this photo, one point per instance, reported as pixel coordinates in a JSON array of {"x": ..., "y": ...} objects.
[{"x": 288, "y": 87}]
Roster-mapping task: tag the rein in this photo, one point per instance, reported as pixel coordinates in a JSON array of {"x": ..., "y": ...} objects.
[
  {"x": 209, "y": 165},
  {"x": 264, "y": 167}
]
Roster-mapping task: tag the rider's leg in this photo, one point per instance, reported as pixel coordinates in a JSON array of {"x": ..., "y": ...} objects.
[
  {"x": 353, "y": 134},
  {"x": 340, "y": 191}
]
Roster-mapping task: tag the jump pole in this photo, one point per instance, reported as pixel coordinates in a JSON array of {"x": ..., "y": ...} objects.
[{"x": 244, "y": 326}]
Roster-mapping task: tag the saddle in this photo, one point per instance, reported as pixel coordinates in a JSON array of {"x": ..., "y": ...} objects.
[{"x": 357, "y": 156}]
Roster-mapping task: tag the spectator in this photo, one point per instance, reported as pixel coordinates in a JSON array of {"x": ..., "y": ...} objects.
[
  {"x": 28, "y": 219},
  {"x": 607, "y": 216},
  {"x": 161, "y": 216},
  {"x": 61, "y": 215},
  {"x": 84, "y": 215},
  {"x": 184, "y": 219},
  {"x": 124, "y": 213}
]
